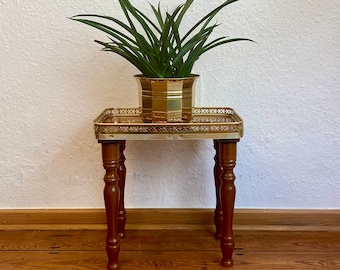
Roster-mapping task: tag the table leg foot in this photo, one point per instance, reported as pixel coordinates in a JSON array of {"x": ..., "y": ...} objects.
[
  {"x": 227, "y": 263},
  {"x": 227, "y": 250},
  {"x": 113, "y": 267},
  {"x": 112, "y": 253}
]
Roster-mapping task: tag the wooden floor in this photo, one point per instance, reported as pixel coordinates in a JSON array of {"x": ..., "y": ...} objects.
[{"x": 170, "y": 239}]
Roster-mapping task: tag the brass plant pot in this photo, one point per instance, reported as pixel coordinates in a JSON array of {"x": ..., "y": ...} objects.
[{"x": 168, "y": 100}]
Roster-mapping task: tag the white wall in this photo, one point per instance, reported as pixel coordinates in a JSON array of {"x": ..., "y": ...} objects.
[{"x": 55, "y": 81}]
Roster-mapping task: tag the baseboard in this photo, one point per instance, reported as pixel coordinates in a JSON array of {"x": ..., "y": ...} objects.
[{"x": 154, "y": 219}]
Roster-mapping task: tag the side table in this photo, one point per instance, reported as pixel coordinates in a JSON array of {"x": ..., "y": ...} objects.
[{"x": 115, "y": 126}]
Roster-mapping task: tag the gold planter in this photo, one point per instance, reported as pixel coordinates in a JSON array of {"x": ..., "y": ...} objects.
[{"x": 167, "y": 100}]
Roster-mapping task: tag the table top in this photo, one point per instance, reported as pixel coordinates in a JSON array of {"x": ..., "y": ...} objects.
[{"x": 206, "y": 123}]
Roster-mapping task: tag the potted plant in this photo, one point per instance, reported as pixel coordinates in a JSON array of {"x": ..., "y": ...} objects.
[{"x": 162, "y": 53}]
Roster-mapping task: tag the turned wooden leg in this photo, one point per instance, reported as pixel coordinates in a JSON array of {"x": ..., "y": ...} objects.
[
  {"x": 121, "y": 183},
  {"x": 110, "y": 154},
  {"x": 227, "y": 151},
  {"x": 218, "y": 218}
]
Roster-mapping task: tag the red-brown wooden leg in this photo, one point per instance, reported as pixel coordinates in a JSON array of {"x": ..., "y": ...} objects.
[
  {"x": 218, "y": 218},
  {"x": 110, "y": 154},
  {"x": 121, "y": 183},
  {"x": 228, "y": 161}
]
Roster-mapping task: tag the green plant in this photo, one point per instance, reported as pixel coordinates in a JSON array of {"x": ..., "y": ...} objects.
[{"x": 160, "y": 50}]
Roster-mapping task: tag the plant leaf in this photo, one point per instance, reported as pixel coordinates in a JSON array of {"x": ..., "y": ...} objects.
[{"x": 155, "y": 45}]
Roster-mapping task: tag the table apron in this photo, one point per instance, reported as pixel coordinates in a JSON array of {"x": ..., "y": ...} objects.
[{"x": 143, "y": 137}]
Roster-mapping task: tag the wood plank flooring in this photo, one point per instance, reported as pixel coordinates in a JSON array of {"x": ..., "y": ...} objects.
[{"x": 170, "y": 239}]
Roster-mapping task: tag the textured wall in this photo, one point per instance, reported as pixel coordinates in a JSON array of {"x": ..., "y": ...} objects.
[{"x": 55, "y": 81}]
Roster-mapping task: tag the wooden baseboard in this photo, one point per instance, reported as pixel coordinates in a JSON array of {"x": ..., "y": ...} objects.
[{"x": 155, "y": 219}]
